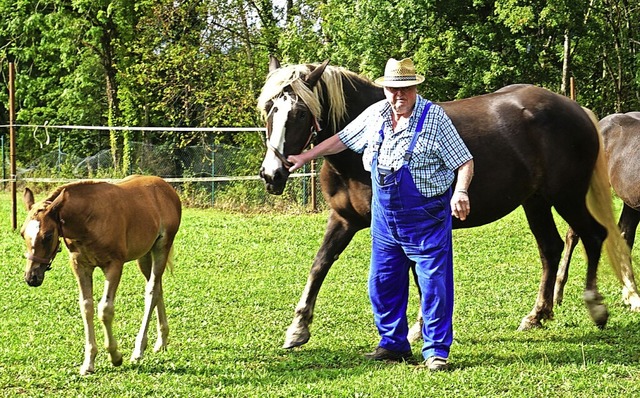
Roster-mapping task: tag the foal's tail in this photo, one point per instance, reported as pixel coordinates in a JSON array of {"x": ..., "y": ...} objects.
[
  {"x": 600, "y": 205},
  {"x": 170, "y": 260}
]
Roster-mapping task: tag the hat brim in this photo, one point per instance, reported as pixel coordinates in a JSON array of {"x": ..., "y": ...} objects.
[{"x": 381, "y": 81}]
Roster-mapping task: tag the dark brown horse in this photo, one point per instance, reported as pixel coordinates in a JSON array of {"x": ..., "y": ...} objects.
[
  {"x": 105, "y": 225},
  {"x": 531, "y": 147},
  {"x": 621, "y": 136}
]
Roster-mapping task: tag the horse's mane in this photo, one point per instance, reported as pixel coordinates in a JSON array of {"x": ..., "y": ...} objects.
[{"x": 289, "y": 75}]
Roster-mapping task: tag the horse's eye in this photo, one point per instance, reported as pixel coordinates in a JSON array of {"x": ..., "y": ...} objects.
[
  {"x": 275, "y": 109},
  {"x": 302, "y": 114}
]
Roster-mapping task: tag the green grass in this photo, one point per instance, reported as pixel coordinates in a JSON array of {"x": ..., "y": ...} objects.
[{"x": 232, "y": 294}]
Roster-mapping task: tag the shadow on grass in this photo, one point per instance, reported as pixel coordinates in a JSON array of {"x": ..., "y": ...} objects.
[{"x": 566, "y": 345}]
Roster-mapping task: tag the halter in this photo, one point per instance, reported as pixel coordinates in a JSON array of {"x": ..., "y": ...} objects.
[
  {"x": 44, "y": 260},
  {"x": 315, "y": 128}
]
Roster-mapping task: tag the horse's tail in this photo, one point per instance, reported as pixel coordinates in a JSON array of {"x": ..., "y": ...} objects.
[{"x": 600, "y": 205}]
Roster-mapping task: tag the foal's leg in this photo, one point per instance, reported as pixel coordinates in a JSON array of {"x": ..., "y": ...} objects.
[
  {"x": 550, "y": 246},
  {"x": 84, "y": 277},
  {"x": 570, "y": 242},
  {"x": 161, "y": 313},
  {"x": 338, "y": 234},
  {"x": 106, "y": 310},
  {"x": 152, "y": 266},
  {"x": 160, "y": 263}
]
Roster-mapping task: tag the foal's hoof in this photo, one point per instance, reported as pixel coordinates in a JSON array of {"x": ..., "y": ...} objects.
[
  {"x": 136, "y": 357},
  {"x": 415, "y": 333},
  {"x": 160, "y": 347},
  {"x": 296, "y": 337},
  {"x": 86, "y": 370},
  {"x": 116, "y": 359}
]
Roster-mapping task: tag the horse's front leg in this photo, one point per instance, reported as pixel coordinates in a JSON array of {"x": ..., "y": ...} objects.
[
  {"x": 106, "y": 310},
  {"x": 84, "y": 277},
  {"x": 338, "y": 234}
]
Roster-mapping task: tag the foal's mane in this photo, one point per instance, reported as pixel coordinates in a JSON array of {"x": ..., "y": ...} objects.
[
  {"x": 54, "y": 194},
  {"x": 290, "y": 75}
]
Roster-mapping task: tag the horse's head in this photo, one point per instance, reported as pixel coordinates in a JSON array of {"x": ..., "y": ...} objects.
[
  {"x": 289, "y": 102},
  {"x": 41, "y": 233}
]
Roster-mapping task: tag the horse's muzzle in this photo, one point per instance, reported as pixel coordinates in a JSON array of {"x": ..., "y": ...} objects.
[{"x": 275, "y": 183}]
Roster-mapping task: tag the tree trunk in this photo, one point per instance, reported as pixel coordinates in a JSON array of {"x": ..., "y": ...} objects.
[{"x": 566, "y": 62}]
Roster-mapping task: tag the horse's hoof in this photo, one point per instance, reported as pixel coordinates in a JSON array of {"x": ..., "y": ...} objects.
[
  {"x": 599, "y": 314},
  {"x": 632, "y": 300},
  {"x": 597, "y": 310},
  {"x": 528, "y": 324},
  {"x": 296, "y": 338}
]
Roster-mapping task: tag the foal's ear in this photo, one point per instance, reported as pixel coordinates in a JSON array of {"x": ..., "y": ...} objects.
[
  {"x": 54, "y": 208},
  {"x": 27, "y": 199},
  {"x": 313, "y": 77},
  {"x": 274, "y": 63}
]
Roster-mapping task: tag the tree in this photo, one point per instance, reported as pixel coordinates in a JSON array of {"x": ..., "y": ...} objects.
[{"x": 194, "y": 63}]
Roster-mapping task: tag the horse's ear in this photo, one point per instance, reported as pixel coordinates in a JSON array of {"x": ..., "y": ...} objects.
[
  {"x": 313, "y": 77},
  {"x": 28, "y": 199},
  {"x": 274, "y": 63}
]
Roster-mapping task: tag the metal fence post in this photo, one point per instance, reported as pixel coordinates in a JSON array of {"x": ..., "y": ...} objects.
[
  {"x": 12, "y": 147},
  {"x": 304, "y": 185},
  {"x": 213, "y": 172},
  {"x": 59, "y": 152},
  {"x": 4, "y": 171}
]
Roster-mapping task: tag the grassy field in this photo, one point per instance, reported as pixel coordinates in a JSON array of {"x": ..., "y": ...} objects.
[{"x": 232, "y": 294}]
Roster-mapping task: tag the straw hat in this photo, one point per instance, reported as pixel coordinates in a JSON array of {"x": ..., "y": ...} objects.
[{"x": 399, "y": 74}]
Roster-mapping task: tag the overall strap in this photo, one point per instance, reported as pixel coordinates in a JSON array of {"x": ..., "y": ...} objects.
[
  {"x": 380, "y": 135},
  {"x": 423, "y": 116}
]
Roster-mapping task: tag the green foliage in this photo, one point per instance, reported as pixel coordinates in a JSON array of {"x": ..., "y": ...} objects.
[{"x": 202, "y": 63}]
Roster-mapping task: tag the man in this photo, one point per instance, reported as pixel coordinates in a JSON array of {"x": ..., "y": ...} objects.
[{"x": 413, "y": 151}]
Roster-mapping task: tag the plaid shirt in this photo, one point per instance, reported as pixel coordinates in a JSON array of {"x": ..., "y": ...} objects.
[{"x": 438, "y": 153}]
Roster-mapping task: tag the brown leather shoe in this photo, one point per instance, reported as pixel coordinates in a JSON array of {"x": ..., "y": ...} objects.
[{"x": 382, "y": 354}]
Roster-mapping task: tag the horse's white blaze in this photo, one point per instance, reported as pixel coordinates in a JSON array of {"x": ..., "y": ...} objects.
[
  {"x": 280, "y": 112},
  {"x": 31, "y": 232}
]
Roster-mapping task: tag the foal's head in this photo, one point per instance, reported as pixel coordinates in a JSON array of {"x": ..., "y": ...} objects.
[{"x": 41, "y": 233}]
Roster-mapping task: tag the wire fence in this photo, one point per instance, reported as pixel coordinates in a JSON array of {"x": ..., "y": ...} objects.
[{"x": 206, "y": 175}]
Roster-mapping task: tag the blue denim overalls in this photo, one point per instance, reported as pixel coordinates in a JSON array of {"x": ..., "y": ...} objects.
[{"x": 406, "y": 226}]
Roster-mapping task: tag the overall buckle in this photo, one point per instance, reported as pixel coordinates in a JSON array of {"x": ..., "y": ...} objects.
[{"x": 383, "y": 173}]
